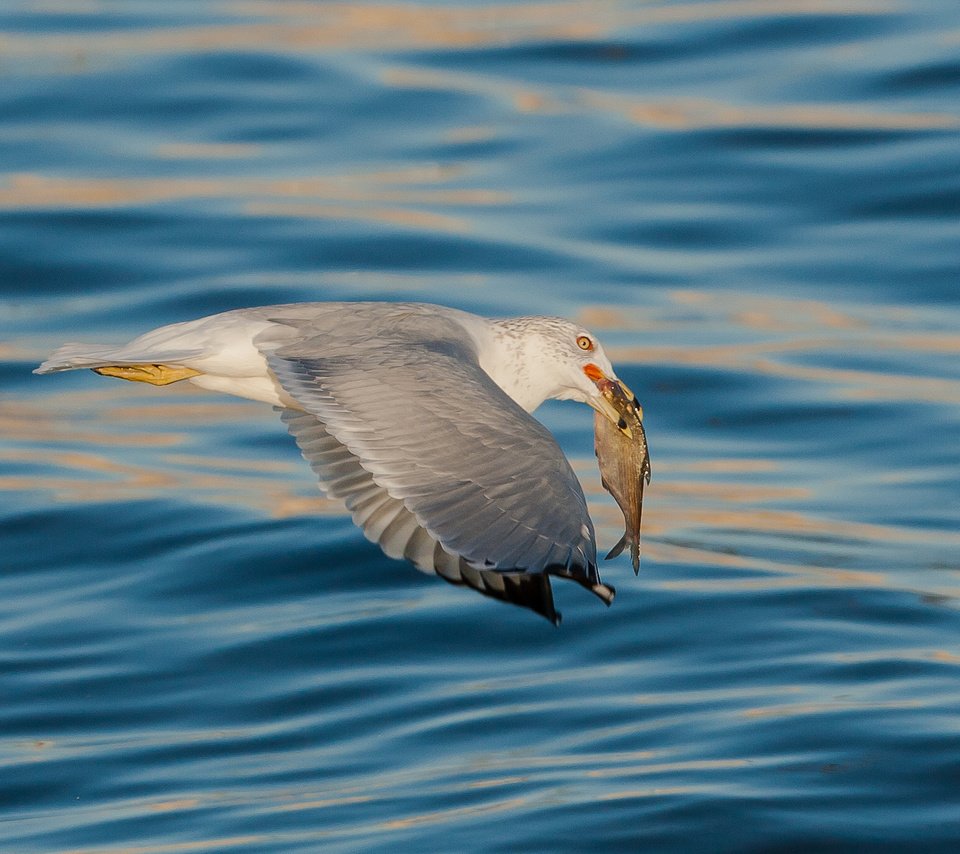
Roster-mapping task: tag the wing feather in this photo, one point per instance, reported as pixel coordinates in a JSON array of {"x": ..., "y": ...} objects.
[{"x": 404, "y": 536}]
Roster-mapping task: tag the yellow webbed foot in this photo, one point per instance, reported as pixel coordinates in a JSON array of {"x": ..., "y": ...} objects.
[{"x": 153, "y": 374}]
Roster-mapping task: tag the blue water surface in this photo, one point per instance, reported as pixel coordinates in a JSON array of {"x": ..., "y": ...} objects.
[{"x": 754, "y": 205}]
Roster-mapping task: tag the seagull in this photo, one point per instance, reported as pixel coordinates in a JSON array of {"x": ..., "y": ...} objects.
[{"x": 417, "y": 418}]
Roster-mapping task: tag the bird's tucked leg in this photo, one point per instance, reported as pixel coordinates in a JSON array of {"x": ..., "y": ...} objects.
[{"x": 153, "y": 374}]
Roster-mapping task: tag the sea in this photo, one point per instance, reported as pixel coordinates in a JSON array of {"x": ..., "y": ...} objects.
[{"x": 753, "y": 204}]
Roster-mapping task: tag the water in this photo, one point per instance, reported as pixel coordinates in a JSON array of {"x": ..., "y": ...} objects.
[{"x": 753, "y": 204}]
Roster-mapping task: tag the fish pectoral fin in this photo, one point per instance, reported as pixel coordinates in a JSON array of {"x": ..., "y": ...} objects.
[{"x": 153, "y": 374}]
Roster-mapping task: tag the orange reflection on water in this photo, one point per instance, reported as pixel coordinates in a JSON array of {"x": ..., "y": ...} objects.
[
  {"x": 305, "y": 26},
  {"x": 454, "y": 814},
  {"x": 23, "y": 420},
  {"x": 399, "y": 197},
  {"x": 676, "y": 114},
  {"x": 864, "y": 656},
  {"x": 699, "y": 113},
  {"x": 207, "y": 150},
  {"x": 43, "y": 434},
  {"x": 419, "y": 220},
  {"x": 792, "y": 710}
]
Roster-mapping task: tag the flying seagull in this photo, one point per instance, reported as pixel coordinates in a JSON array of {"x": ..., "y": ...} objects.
[{"x": 416, "y": 417}]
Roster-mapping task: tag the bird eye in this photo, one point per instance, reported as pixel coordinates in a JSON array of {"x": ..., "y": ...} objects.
[{"x": 584, "y": 343}]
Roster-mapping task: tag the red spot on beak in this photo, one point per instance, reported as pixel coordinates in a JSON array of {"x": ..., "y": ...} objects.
[
  {"x": 593, "y": 372},
  {"x": 603, "y": 382}
]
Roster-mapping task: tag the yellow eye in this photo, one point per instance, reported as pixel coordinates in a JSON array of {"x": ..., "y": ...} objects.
[{"x": 584, "y": 343}]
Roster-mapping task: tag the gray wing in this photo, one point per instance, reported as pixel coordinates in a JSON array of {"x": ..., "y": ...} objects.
[
  {"x": 402, "y": 391},
  {"x": 387, "y": 522}
]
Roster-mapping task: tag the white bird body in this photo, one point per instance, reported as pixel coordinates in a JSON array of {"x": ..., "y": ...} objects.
[{"x": 393, "y": 406}]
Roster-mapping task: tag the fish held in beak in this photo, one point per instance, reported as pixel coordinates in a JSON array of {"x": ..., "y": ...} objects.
[
  {"x": 615, "y": 401},
  {"x": 620, "y": 444}
]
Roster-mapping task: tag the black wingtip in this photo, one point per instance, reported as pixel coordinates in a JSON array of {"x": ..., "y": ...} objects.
[
  {"x": 526, "y": 589},
  {"x": 588, "y": 579},
  {"x": 606, "y": 593}
]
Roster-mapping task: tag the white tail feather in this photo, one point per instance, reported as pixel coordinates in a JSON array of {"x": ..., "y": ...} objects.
[{"x": 69, "y": 357}]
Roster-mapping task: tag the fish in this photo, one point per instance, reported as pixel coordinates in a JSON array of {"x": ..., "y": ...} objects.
[{"x": 624, "y": 462}]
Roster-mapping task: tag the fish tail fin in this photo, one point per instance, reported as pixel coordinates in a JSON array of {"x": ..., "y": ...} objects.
[{"x": 634, "y": 544}]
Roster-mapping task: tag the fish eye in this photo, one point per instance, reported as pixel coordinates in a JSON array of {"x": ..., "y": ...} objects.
[{"x": 584, "y": 343}]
